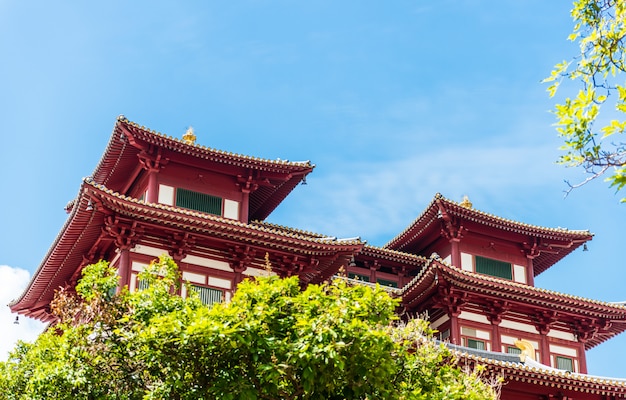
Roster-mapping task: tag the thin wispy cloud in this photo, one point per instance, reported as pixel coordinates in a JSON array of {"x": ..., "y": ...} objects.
[{"x": 378, "y": 199}]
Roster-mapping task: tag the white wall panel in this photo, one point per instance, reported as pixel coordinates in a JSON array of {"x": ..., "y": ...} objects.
[{"x": 166, "y": 195}]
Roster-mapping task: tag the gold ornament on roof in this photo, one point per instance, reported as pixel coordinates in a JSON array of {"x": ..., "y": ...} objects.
[
  {"x": 527, "y": 348},
  {"x": 466, "y": 202},
  {"x": 189, "y": 137}
]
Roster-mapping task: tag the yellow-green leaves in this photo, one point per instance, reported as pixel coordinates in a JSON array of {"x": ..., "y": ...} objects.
[
  {"x": 600, "y": 30},
  {"x": 274, "y": 340}
]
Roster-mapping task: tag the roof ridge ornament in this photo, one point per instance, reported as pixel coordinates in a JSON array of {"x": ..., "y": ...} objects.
[
  {"x": 527, "y": 348},
  {"x": 189, "y": 137},
  {"x": 466, "y": 202}
]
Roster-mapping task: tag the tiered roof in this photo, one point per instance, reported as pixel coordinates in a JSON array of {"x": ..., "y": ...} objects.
[
  {"x": 604, "y": 320},
  {"x": 530, "y": 377},
  {"x": 549, "y": 244},
  {"x": 83, "y": 232},
  {"x": 273, "y": 179}
]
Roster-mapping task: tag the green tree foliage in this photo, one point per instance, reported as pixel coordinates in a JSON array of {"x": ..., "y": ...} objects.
[
  {"x": 272, "y": 341},
  {"x": 593, "y": 140}
]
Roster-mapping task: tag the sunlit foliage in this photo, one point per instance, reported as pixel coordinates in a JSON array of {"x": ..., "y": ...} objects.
[
  {"x": 274, "y": 340},
  {"x": 595, "y": 140}
]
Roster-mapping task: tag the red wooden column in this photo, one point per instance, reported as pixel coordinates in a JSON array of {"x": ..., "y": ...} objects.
[
  {"x": 247, "y": 186},
  {"x": 153, "y": 187},
  {"x": 244, "y": 213},
  {"x": 495, "y": 311},
  {"x": 455, "y": 252},
  {"x": 124, "y": 267},
  {"x": 240, "y": 257},
  {"x": 455, "y": 330},
  {"x": 454, "y": 232},
  {"x": 125, "y": 236},
  {"x": 452, "y": 302},
  {"x": 373, "y": 268},
  {"x": 531, "y": 251},
  {"x": 530, "y": 274},
  {"x": 543, "y": 322},
  {"x": 582, "y": 359},
  {"x": 586, "y": 330},
  {"x": 152, "y": 163}
]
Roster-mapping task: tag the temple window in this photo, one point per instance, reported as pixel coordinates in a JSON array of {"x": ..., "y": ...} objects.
[
  {"x": 475, "y": 344},
  {"x": 142, "y": 284},
  {"x": 198, "y": 201},
  {"x": 388, "y": 283},
  {"x": 499, "y": 269},
  {"x": 513, "y": 350},
  {"x": 474, "y": 338},
  {"x": 208, "y": 295},
  {"x": 564, "y": 363},
  {"x": 363, "y": 278},
  {"x": 445, "y": 335}
]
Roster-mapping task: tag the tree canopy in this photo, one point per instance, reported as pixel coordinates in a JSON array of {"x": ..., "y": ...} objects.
[
  {"x": 593, "y": 140},
  {"x": 273, "y": 340}
]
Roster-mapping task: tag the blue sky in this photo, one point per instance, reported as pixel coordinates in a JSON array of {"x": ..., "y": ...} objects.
[{"x": 393, "y": 101}]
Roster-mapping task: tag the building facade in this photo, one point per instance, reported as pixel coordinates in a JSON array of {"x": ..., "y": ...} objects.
[{"x": 470, "y": 272}]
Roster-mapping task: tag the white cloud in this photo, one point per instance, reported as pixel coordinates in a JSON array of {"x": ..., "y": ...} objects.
[
  {"x": 379, "y": 199},
  {"x": 12, "y": 283}
]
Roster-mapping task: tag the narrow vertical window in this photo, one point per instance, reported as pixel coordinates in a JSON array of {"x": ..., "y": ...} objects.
[
  {"x": 565, "y": 363},
  {"x": 207, "y": 295}
]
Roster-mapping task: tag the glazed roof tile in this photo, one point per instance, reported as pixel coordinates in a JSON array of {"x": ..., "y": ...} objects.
[
  {"x": 390, "y": 253},
  {"x": 493, "y": 282},
  {"x": 522, "y": 296},
  {"x": 513, "y": 367},
  {"x": 287, "y": 229},
  {"x": 120, "y": 165},
  {"x": 181, "y": 144},
  {"x": 270, "y": 229},
  {"x": 412, "y": 235},
  {"x": 508, "y": 224}
]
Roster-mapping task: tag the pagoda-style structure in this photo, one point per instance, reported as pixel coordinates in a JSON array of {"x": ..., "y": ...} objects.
[{"x": 470, "y": 272}]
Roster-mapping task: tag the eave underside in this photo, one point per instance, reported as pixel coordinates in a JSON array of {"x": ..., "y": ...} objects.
[
  {"x": 440, "y": 285},
  {"x": 87, "y": 237}
]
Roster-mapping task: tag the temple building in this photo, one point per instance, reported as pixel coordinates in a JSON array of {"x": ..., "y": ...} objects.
[{"x": 470, "y": 272}]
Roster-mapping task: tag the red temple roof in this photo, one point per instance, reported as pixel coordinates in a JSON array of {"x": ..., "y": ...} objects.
[
  {"x": 84, "y": 230},
  {"x": 273, "y": 179},
  {"x": 600, "y": 319},
  {"x": 549, "y": 244},
  {"x": 535, "y": 380}
]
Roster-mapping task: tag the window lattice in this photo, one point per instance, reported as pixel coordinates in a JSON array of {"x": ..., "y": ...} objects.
[
  {"x": 495, "y": 268},
  {"x": 476, "y": 344},
  {"x": 208, "y": 295},
  {"x": 198, "y": 201},
  {"x": 565, "y": 363}
]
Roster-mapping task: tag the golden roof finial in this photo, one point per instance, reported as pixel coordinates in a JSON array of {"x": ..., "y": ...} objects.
[
  {"x": 466, "y": 202},
  {"x": 527, "y": 348},
  {"x": 189, "y": 137}
]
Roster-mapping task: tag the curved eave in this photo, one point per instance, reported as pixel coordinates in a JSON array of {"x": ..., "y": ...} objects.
[
  {"x": 80, "y": 231},
  {"x": 425, "y": 284},
  {"x": 84, "y": 227},
  {"x": 205, "y": 223},
  {"x": 428, "y": 221},
  {"x": 129, "y": 139},
  {"x": 287, "y": 229},
  {"x": 394, "y": 256},
  {"x": 547, "y": 377}
]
